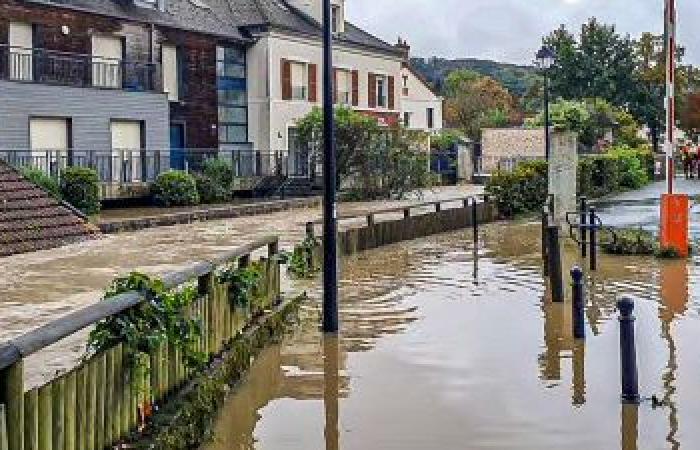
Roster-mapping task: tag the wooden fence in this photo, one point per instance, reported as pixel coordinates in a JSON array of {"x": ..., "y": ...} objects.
[{"x": 101, "y": 402}]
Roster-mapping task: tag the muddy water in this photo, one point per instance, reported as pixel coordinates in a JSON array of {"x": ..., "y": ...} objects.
[
  {"x": 436, "y": 352},
  {"x": 40, "y": 287}
]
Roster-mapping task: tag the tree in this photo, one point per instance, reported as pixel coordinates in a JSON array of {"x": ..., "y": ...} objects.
[
  {"x": 690, "y": 114},
  {"x": 477, "y": 102}
]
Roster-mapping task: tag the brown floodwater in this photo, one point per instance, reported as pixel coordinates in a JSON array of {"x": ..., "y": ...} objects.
[
  {"x": 439, "y": 352},
  {"x": 41, "y": 287}
]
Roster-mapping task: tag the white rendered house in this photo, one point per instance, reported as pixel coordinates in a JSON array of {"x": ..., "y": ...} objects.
[{"x": 421, "y": 106}]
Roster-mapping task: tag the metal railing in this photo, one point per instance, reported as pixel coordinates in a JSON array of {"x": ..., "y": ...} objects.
[
  {"x": 39, "y": 65},
  {"x": 144, "y": 166}
]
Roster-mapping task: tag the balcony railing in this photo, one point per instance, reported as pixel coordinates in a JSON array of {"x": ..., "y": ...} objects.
[
  {"x": 72, "y": 69},
  {"x": 144, "y": 166}
]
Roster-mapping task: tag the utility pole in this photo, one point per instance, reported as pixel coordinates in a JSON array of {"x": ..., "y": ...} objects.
[
  {"x": 670, "y": 89},
  {"x": 330, "y": 214}
]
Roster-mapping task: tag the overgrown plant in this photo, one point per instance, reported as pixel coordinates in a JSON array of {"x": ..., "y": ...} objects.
[
  {"x": 43, "y": 180},
  {"x": 162, "y": 317},
  {"x": 300, "y": 262},
  {"x": 242, "y": 281},
  {"x": 80, "y": 188}
]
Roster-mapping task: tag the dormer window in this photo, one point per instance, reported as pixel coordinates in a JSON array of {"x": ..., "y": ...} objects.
[{"x": 336, "y": 19}]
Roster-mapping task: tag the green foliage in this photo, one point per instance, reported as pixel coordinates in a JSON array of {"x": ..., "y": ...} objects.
[
  {"x": 80, "y": 188},
  {"x": 161, "y": 318},
  {"x": 243, "y": 281},
  {"x": 520, "y": 191},
  {"x": 43, "y": 180},
  {"x": 629, "y": 241},
  {"x": 631, "y": 166},
  {"x": 300, "y": 263},
  {"x": 175, "y": 188},
  {"x": 215, "y": 181},
  {"x": 445, "y": 140}
]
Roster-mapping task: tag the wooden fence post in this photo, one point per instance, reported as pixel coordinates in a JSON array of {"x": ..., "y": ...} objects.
[{"x": 12, "y": 396}]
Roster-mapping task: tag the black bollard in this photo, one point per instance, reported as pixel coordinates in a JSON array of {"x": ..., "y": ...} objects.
[
  {"x": 593, "y": 236},
  {"x": 545, "y": 257},
  {"x": 554, "y": 252},
  {"x": 578, "y": 305},
  {"x": 310, "y": 230},
  {"x": 475, "y": 224},
  {"x": 628, "y": 352},
  {"x": 582, "y": 226}
]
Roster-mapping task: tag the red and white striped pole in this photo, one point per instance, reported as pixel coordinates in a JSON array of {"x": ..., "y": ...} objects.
[{"x": 670, "y": 89}]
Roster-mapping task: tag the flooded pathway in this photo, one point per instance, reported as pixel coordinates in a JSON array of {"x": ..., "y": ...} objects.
[{"x": 435, "y": 353}]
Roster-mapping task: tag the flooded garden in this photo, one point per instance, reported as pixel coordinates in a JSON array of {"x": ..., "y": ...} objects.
[{"x": 437, "y": 351}]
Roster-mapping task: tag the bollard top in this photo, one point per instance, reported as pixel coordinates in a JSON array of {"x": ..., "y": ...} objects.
[
  {"x": 577, "y": 274},
  {"x": 591, "y": 208},
  {"x": 625, "y": 305}
]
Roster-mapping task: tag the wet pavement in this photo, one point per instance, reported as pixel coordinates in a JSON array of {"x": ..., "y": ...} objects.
[
  {"x": 437, "y": 352},
  {"x": 43, "y": 286}
]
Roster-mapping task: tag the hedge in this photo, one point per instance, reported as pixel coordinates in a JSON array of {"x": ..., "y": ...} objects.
[
  {"x": 175, "y": 188},
  {"x": 215, "y": 181},
  {"x": 524, "y": 190},
  {"x": 80, "y": 188}
]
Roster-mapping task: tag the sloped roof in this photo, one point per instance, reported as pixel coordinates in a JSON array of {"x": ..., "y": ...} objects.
[{"x": 30, "y": 219}]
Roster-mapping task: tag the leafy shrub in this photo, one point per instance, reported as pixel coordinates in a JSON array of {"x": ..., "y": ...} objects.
[
  {"x": 43, "y": 180},
  {"x": 80, "y": 188},
  {"x": 214, "y": 182},
  {"x": 629, "y": 241},
  {"x": 520, "y": 191},
  {"x": 175, "y": 188},
  {"x": 631, "y": 166}
]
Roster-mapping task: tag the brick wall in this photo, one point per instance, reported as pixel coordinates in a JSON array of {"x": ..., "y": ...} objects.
[{"x": 498, "y": 144}]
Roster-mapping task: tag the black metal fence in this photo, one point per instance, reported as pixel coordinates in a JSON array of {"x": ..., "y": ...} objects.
[
  {"x": 144, "y": 166},
  {"x": 73, "y": 69}
]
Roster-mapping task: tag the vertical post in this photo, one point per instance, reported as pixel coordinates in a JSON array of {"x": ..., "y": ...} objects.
[
  {"x": 546, "y": 116},
  {"x": 578, "y": 305},
  {"x": 330, "y": 225},
  {"x": 670, "y": 89},
  {"x": 545, "y": 253},
  {"x": 593, "y": 240},
  {"x": 555, "y": 271},
  {"x": 475, "y": 224},
  {"x": 12, "y": 396},
  {"x": 628, "y": 352},
  {"x": 370, "y": 220},
  {"x": 582, "y": 226},
  {"x": 438, "y": 207},
  {"x": 406, "y": 213}
]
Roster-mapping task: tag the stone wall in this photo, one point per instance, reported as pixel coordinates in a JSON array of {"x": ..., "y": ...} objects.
[{"x": 498, "y": 145}]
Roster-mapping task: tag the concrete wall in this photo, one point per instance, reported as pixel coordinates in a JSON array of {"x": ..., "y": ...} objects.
[
  {"x": 417, "y": 102},
  {"x": 89, "y": 109},
  {"x": 563, "y": 165},
  {"x": 503, "y": 143},
  {"x": 270, "y": 117}
]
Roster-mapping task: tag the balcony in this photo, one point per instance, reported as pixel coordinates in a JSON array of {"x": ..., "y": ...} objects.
[{"x": 36, "y": 65}]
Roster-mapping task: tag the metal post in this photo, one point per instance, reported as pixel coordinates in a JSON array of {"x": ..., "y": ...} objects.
[
  {"x": 593, "y": 243},
  {"x": 579, "y": 324},
  {"x": 582, "y": 226},
  {"x": 555, "y": 275},
  {"x": 330, "y": 225},
  {"x": 546, "y": 116},
  {"x": 475, "y": 225},
  {"x": 545, "y": 256},
  {"x": 310, "y": 230},
  {"x": 628, "y": 352}
]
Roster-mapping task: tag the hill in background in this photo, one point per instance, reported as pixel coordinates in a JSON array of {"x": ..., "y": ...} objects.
[{"x": 517, "y": 79}]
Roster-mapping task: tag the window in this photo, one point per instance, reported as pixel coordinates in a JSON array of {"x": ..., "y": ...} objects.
[
  {"x": 405, "y": 85},
  {"x": 49, "y": 133},
  {"x": 336, "y": 18},
  {"x": 171, "y": 72},
  {"x": 382, "y": 91},
  {"x": 431, "y": 118},
  {"x": 232, "y": 95},
  {"x": 407, "y": 119},
  {"x": 300, "y": 81},
  {"x": 21, "y": 43},
  {"x": 343, "y": 79},
  {"x": 107, "y": 53}
]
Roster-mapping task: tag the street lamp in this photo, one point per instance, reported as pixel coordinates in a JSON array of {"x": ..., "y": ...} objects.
[{"x": 545, "y": 60}]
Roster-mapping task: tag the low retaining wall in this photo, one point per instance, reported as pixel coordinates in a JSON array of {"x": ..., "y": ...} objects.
[{"x": 200, "y": 215}]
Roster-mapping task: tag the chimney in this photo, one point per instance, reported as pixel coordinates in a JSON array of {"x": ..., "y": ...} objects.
[{"x": 402, "y": 45}]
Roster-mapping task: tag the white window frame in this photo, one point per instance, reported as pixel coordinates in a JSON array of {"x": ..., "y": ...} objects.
[
  {"x": 171, "y": 72},
  {"x": 300, "y": 92},
  {"x": 382, "y": 100},
  {"x": 344, "y": 92},
  {"x": 336, "y": 18}
]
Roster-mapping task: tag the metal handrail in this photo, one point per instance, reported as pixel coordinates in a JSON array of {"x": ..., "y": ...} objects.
[{"x": 48, "y": 334}]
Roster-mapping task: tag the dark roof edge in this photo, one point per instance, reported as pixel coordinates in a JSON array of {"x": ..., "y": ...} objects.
[
  {"x": 421, "y": 78},
  {"x": 136, "y": 20}
]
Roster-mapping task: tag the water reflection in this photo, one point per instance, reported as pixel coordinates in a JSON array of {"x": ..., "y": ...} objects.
[{"x": 630, "y": 427}]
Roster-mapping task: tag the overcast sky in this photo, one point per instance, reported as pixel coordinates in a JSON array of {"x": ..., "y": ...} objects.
[{"x": 510, "y": 30}]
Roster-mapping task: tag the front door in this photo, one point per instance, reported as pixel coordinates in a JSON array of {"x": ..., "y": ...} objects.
[{"x": 177, "y": 146}]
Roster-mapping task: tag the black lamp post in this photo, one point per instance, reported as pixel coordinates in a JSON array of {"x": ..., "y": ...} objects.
[
  {"x": 545, "y": 60},
  {"x": 330, "y": 223}
]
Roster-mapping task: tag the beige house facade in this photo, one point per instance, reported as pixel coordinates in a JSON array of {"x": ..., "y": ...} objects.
[{"x": 421, "y": 106}]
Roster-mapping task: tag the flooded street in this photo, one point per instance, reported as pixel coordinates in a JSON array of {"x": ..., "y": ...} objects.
[{"x": 434, "y": 354}]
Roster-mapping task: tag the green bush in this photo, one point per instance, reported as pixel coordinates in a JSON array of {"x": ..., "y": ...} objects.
[
  {"x": 80, "y": 188},
  {"x": 214, "y": 182},
  {"x": 175, "y": 188},
  {"x": 43, "y": 180},
  {"x": 629, "y": 241},
  {"x": 520, "y": 191}
]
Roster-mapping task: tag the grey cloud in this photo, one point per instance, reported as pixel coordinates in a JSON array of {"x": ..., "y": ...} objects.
[{"x": 510, "y": 30}]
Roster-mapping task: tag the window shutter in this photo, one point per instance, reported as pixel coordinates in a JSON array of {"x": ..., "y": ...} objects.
[
  {"x": 286, "y": 80},
  {"x": 355, "y": 88},
  {"x": 313, "y": 84},
  {"x": 372, "y": 102},
  {"x": 391, "y": 92},
  {"x": 335, "y": 85}
]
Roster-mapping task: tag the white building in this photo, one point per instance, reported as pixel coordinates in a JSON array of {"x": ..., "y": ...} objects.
[{"x": 285, "y": 75}]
